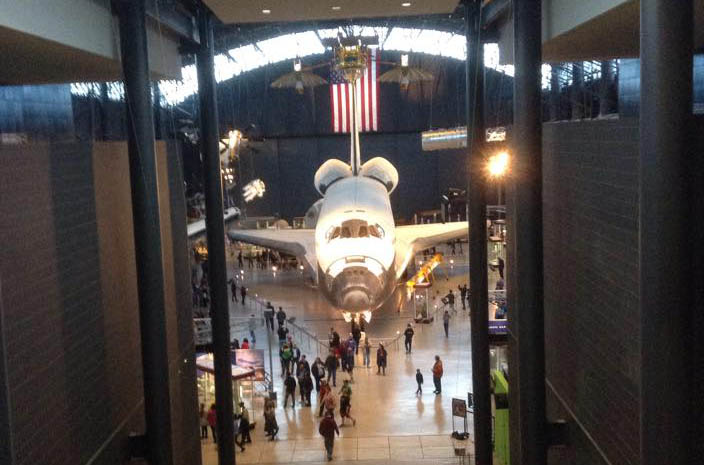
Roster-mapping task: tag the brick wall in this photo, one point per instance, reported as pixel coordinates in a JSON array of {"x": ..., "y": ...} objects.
[
  {"x": 71, "y": 357},
  {"x": 590, "y": 195}
]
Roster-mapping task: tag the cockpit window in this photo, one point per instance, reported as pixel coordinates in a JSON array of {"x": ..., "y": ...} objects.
[
  {"x": 354, "y": 228},
  {"x": 333, "y": 233},
  {"x": 376, "y": 231}
]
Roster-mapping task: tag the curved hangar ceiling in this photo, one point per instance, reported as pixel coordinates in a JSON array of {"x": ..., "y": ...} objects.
[{"x": 260, "y": 11}]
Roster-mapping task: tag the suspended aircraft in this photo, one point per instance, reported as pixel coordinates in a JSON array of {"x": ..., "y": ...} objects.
[{"x": 354, "y": 252}]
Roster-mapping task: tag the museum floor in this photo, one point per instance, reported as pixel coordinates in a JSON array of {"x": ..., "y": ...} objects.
[{"x": 393, "y": 424}]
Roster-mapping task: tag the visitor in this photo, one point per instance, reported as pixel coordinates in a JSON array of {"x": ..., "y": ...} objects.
[
  {"x": 328, "y": 428},
  {"x": 233, "y": 289},
  {"x": 281, "y": 317},
  {"x": 419, "y": 381},
  {"x": 236, "y": 432},
  {"x": 306, "y": 387},
  {"x": 366, "y": 349},
  {"x": 408, "y": 338},
  {"x": 318, "y": 372},
  {"x": 335, "y": 342},
  {"x": 331, "y": 364},
  {"x": 463, "y": 295},
  {"x": 245, "y": 344},
  {"x": 286, "y": 357},
  {"x": 330, "y": 402},
  {"x": 212, "y": 421},
  {"x": 244, "y": 426},
  {"x": 243, "y": 293},
  {"x": 501, "y": 267},
  {"x": 350, "y": 360},
  {"x": 203, "y": 422},
  {"x": 500, "y": 284},
  {"x": 235, "y": 344},
  {"x": 296, "y": 355},
  {"x": 269, "y": 316},
  {"x": 239, "y": 260},
  {"x": 357, "y": 336},
  {"x": 325, "y": 390},
  {"x": 290, "y": 385},
  {"x": 252, "y": 325},
  {"x": 282, "y": 332},
  {"x": 450, "y": 297},
  {"x": 381, "y": 355},
  {"x": 271, "y": 426},
  {"x": 446, "y": 322},
  {"x": 437, "y": 375},
  {"x": 302, "y": 367},
  {"x": 346, "y": 403}
]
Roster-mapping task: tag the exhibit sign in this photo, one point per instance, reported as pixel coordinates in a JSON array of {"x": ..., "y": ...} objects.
[
  {"x": 498, "y": 327},
  {"x": 251, "y": 359},
  {"x": 459, "y": 408}
]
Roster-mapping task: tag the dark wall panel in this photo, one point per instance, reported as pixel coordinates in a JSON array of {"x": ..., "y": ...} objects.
[
  {"x": 187, "y": 446},
  {"x": 38, "y": 111},
  {"x": 288, "y": 165},
  {"x": 590, "y": 182},
  {"x": 629, "y": 86},
  {"x": 70, "y": 332}
]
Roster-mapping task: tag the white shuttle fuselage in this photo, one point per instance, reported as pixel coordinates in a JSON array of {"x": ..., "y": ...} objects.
[
  {"x": 359, "y": 253},
  {"x": 354, "y": 242}
]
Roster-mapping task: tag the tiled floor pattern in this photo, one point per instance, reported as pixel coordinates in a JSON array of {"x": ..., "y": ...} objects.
[
  {"x": 393, "y": 425},
  {"x": 379, "y": 449}
]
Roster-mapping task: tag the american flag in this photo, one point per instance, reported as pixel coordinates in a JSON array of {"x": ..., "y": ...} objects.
[{"x": 367, "y": 100}]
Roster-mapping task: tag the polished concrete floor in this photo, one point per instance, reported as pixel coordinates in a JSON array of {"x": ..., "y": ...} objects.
[{"x": 393, "y": 424}]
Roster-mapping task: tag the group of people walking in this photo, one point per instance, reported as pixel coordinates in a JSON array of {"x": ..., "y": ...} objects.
[
  {"x": 209, "y": 419},
  {"x": 321, "y": 375}
]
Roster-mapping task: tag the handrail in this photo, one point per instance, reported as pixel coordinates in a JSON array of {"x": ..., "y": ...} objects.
[{"x": 322, "y": 347}]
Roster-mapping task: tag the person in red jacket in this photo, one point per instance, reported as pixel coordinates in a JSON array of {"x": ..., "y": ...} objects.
[
  {"x": 437, "y": 374},
  {"x": 327, "y": 429},
  {"x": 212, "y": 421}
]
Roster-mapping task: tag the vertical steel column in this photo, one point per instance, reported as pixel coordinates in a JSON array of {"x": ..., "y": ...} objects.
[
  {"x": 605, "y": 94},
  {"x": 554, "y": 94},
  {"x": 666, "y": 46},
  {"x": 476, "y": 201},
  {"x": 527, "y": 379},
  {"x": 577, "y": 91},
  {"x": 147, "y": 231},
  {"x": 215, "y": 232}
]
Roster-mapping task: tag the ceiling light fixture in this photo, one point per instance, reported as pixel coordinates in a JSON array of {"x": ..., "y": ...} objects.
[
  {"x": 406, "y": 4},
  {"x": 266, "y": 11},
  {"x": 337, "y": 8}
]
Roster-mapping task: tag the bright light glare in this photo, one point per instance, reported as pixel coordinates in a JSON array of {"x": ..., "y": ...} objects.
[
  {"x": 253, "y": 189},
  {"x": 367, "y": 315},
  {"x": 498, "y": 164},
  {"x": 404, "y": 60},
  {"x": 297, "y": 45}
]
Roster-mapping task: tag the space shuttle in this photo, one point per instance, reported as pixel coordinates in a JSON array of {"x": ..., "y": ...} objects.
[{"x": 355, "y": 252}]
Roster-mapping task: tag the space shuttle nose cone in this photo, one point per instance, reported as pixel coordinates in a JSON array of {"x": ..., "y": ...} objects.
[
  {"x": 356, "y": 299},
  {"x": 355, "y": 288}
]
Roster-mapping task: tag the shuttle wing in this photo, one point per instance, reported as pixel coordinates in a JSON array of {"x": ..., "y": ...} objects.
[
  {"x": 412, "y": 239},
  {"x": 297, "y": 242}
]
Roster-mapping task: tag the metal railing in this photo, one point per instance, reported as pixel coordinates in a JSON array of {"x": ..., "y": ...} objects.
[{"x": 310, "y": 341}]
